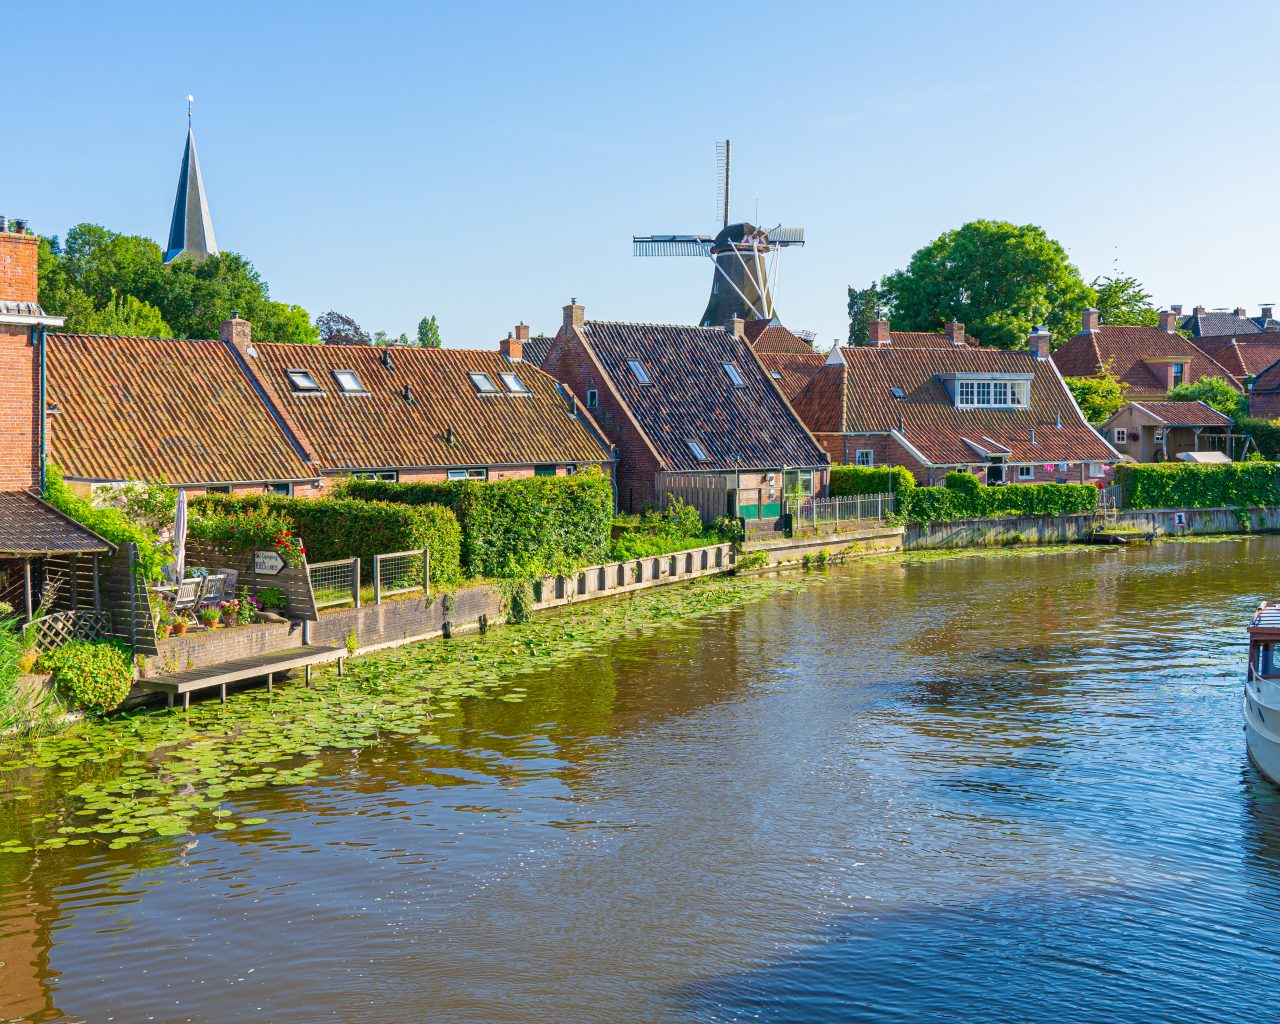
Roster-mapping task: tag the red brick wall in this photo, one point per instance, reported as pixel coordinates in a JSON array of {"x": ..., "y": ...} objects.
[
  {"x": 18, "y": 274},
  {"x": 20, "y": 402},
  {"x": 1265, "y": 404}
]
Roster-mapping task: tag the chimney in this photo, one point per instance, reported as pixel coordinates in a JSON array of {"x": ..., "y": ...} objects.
[
  {"x": 735, "y": 326},
  {"x": 1038, "y": 342},
  {"x": 19, "y": 281},
  {"x": 512, "y": 346},
  {"x": 955, "y": 332},
  {"x": 1089, "y": 321},
  {"x": 1169, "y": 321},
  {"x": 1241, "y": 312},
  {"x": 574, "y": 315},
  {"x": 1197, "y": 311},
  {"x": 878, "y": 333},
  {"x": 1266, "y": 312},
  {"x": 236, "y": 331},
  {"x": 1177, "y": 310}
]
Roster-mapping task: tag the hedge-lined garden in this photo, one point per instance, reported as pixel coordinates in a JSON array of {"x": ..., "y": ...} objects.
[
  {"x": 334, "y": 528},
  {"x": 963, "y": 497},
  {"x": 513, "y": 528},
  {"x": 1187, "y": 485}
]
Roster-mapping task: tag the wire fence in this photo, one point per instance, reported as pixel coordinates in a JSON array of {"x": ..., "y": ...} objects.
[
  {"x": 336, "y": 582},
  {"x": 399, "y": 572},
  {"x": 852, "y": 508}
]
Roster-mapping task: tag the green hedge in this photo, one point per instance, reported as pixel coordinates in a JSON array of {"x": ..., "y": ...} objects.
[
  {"x": 1186, "y": 485},
  {"x": 334, "y": 528},
  {"x": 1266, "y": 434},
  {"x": 513, "y": 528},
  {"x": 109, "y": 523},
  {"x": 850, "y": 480}
]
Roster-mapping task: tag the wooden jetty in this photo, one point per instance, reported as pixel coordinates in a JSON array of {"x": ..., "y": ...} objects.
[{"x": 257, "y": 667}]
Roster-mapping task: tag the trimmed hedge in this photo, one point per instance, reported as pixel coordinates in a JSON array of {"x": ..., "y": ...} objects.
[
  {"x": 1266, "y": 434},
  {"x": 513, "y": 528},
  {"x": 334, "y": 528},
  {"x": 851, "y": 480},
  {"x": 1187, "y": 485}
]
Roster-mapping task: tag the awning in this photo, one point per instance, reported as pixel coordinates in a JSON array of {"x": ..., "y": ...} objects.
[
  {"x": 30, "y": 528},
  {"x": 1205, "y": 458}
]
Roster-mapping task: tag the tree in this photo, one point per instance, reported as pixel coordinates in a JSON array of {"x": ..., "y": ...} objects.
[
  {"x": 339, "y": 329},
  {"x": 1216, "y": 392},
  {"x": 123, "y": 315},
  {"x": 429, "y": 332},
  {"x": 864, "y": 310},
  {"x": 1099, "y": 397},
  {"x": 998, "y": 279},
  {"x": 1123, "y": 300}
]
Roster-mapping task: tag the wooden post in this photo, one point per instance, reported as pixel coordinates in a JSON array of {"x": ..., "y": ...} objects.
[
  {"x": 355, "y": 581},
  {"x": 26, "y": 569},
  {"x": 377, "y": 580},
  {"x": 97, "y": 587},
  {"x": 426, "y": 571}
]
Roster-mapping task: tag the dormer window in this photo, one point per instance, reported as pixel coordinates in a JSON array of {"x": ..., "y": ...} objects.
[
  {"x": 734, "y": 374},
  {"x": 483, "y": 384},
  {"x": 992, "y": 393},
  {"x": 514, "y": 384},
  {"x": 302, "y": 382},
  {"x": 348, "y": 382},
  {"x": 1178, "y": 369},
  {"x": 698, "y": 451},
  {"x": 639, "y": 370}
]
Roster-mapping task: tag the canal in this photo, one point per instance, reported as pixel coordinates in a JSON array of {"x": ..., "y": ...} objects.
[{"x": 980, "y": 788}]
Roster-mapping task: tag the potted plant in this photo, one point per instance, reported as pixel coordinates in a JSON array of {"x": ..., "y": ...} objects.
[
  {"x": 164, "y": 625},
  {"x": 179, "y": 625},
  {"x": 230, "y": 612},
  {"x": 210, "y": 617}
]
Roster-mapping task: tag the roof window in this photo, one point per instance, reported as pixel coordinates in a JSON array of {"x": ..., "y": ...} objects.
[
  {"x": 735, "y": 375},
  {"x": 775, "y": 375},
  {"x": 638, "y": 368},
  {"x": 348, "y": 382},
  {"x": 699, "y": 452},
  {"x": 898, "y": 393},
  {"x": 301, "y": 381},
  {"x": 483, "y": 384},
  {"x": 514, "y": 384}
]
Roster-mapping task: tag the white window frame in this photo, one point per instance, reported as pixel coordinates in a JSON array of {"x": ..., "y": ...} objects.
[
  {"x": 735, "y": 375},
  {"x": 484, "y": 384},
  {"x": 640, "y": 372},
  {"x": 699, "y": 452},
  {"x": 514, "y": 384},
  {"x": 1096, "y": 470},
  {"x": 479, "y": 473},
  {"x": 359, "y": 388},
  {"x": 593, "y": 398},
  {"x": 1026, "y": 472},
  {"x": 389, "y": 475},
  {"x": 990, "y": 394},
  {"x": 285, "y": 489},
  {"x": 1158, "y": 437},
  {"x": 1119, "y": 435},
  {"x": 864, "y": 457},
  {"x": 302, "y": 382}
]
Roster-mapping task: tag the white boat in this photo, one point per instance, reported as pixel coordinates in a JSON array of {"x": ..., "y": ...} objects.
[{"x": 1262, "y": 692}]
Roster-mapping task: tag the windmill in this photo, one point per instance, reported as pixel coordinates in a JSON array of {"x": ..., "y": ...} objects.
[{"x": 744, "y": 256}]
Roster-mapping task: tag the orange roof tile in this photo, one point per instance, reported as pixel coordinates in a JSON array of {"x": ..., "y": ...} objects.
[
  {"x": 790, "y": 360},
  {"x": 1244, "y": 355},
  {"x": 1126, "y": 347}
]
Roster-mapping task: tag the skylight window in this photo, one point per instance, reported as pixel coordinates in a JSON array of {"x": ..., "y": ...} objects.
[
  {"x": 514, "y": 384},
  {"x": 699, "y": 452},
  {"x": 775, "y": 375},
  {"x": 735, "y": 375},
  {"x": 301, "y": 381},
  {"x": 348, "y": 382},
  {"x": 898, "y": 393},
  {"x": 483, "y": 384},
  {"x": 638, "y": 368}
]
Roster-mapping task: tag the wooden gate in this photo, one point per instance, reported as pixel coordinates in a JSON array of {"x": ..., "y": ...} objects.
[{"x": 707, "y": 492}]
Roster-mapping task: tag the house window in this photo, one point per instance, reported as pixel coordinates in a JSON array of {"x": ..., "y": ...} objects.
[
  {"x": 220, "y": 489},
  {"x": 284, "y": 489},
  {"x": 1000, "y": 393},
  {"x": 301, "y": 381},
  {"x": 1159, "y": 435},
  {"x": 798, "y": 478},
  {"x": 900, "y": 395},
  {"x": 514, "y": 384},
  {"x": 389, "y": 475},
  {"x": 775, "y": 375},
  {"x": 864, "y": 457},
  {"x": 348, "y": 382},
  {"x": 469, "y": 474},
  {"x": 593, "y": 398},
  {"x": 965, "y": 393},
  {"x": 483, "y": 384},
  {"x": 544, "y": 470},
  {"x": 1097, "y": 469},
  {"x": 638, "y": 369},
  {"x": 1120, "y": 435},
  {"x": 984, "y": 393},
  {"x": 1026, "y": 472},
  {"x": 735, "y": 375},
  {"x": 1177, "y": 375},
  {"x": 699, "y": 452}
]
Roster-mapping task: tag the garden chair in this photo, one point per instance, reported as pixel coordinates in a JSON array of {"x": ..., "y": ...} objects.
[
  {"x": 211, "y": 592},
  {"x": 186, "y": 595}
]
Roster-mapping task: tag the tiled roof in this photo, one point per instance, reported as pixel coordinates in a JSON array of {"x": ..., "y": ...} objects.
[
  {"x": 791, "y": 358},
  {"x": 1217, "y": 322},
  {"x": 29, "y": 526},
  {"x": 927, "y": 339},
  {"x": 948, "y": 436},
  {"x": 1268, "y": 379},
  {"x": 537, "y": 347},
  {"x": 822, "y": 403},
  {"x": 1244, "y": 355},
  {"x": 384, "y": 429},
  {"x": 152, "y": 408},
  {"x": 1186, "y": 414},
  {"x": 1125, "y": 348},
  {"x": 692, "y": 397}
]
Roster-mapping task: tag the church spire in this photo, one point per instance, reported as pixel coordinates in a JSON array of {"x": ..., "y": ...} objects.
[{"x": 191, "y": 230}]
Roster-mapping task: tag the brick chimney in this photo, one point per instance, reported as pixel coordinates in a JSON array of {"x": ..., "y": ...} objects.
[
  {"x": 512, "y": 346},
  {"x": 1177, "y": 309},
  {"x": 1169, "y": 321},
  {"x": 1197, "y": 311},
  {"x": 574, "y": 315},
  {"x": 1089, "y": 321},
  {"x": 878, "y": 333},
  {"x": 1266, "y": 312},
  {"x": 1038, "y": 343},
  {"x": 236, "y": 331},
  {"x": 18, "y": 278},
  {"x": 955, "y": 332},
  {"x": 736, "y": 326},
  {"x": 1241, "y": 312}
]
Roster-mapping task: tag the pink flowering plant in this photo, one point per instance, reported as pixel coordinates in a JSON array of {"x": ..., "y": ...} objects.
[{"x": 251, "y": 529}]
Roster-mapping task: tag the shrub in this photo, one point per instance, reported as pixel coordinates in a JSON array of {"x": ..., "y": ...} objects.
[
  {"x": 250, "y": 528},
  {"x": 851, "y": 480},
  {"x": 109, "y": 523},
  {"x": 1266, "y": 434},
  {"x": 1216, "y": 392},
  {"x": 1187, "y": 485},
  {"x": 514, "y": 528},
  {"x": 964, "y": 497},
  {"x": 335, "y": 528},
  {"x": 94, "y": 674}
]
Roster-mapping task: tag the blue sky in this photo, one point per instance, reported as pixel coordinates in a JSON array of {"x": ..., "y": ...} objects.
[{"x": 486, "y": 162}]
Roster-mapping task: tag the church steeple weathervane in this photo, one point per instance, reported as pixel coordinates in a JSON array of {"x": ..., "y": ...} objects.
[{"x": 191, "y": 230}]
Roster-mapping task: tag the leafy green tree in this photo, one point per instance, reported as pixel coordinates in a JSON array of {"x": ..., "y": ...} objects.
[
  {"x": 429, "y": 332},
  {"x": 123, "y": 315},
  {"x": 1216, "y": 392},
  {"x": 864, "y": 310},
  {"x": 1099, "y": 397},
  {"x": 1123, "y": 300},
  {"x": 998, "y": 279}
]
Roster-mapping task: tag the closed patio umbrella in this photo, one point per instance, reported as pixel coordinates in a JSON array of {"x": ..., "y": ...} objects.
[{"x": 179, "y": 538}]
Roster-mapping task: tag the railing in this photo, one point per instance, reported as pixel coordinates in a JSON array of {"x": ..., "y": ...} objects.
[
  {"x": 336, "y": 582},
  {"x": 812, "y": 512},
  {"x": 400, "y": 572},
  {"x": 57, "y": 628}
]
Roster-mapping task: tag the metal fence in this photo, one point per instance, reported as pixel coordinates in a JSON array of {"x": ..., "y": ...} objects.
[
  {"x": 835, "y": 511},
  {"x": 399, "y": 572},
  {"x": 336, "y": 582}
]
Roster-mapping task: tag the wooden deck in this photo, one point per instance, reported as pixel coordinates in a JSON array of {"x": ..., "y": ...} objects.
[{"x": 257, "y": 667}]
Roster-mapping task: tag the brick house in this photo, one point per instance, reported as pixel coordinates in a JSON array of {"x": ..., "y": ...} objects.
[
  {"x": 424, "y": 414},
  {"x": 1159, "y": 431},
  {"x": 690, "y": 409},
  {"x": 1217, "y": 323},
  {"x": 1264, "y": 392},
  {"x": 1150, "y": 360},
  {"x": 939, "y": 403}
]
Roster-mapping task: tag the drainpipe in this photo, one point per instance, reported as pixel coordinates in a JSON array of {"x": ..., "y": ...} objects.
[{"x": 44, "y": 403}]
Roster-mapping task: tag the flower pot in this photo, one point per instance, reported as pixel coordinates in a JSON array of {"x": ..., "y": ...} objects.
[{"x": 178, "y": 628}]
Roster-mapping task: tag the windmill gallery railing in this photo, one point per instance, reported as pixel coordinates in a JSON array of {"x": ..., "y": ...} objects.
[{"x": 811, "y": 513}]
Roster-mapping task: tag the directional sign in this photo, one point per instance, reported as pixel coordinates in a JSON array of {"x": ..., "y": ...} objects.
[{"x": 267, "y": 563}]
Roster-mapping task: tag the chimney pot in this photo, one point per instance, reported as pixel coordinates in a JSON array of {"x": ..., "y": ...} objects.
[
  {"x": 1197, "y": 311},
  {"x": 574, "y": 315},
  {"x": 1168, "y": 321},
  {"x": 955, "y": 332},
  {"x": 878, "y": 333},
  {"x": 4, "y": 223},
  {"x": 1089, "y": 321}
]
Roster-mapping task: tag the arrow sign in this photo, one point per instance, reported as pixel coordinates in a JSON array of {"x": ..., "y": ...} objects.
[{"x": 267, "y": 563}]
